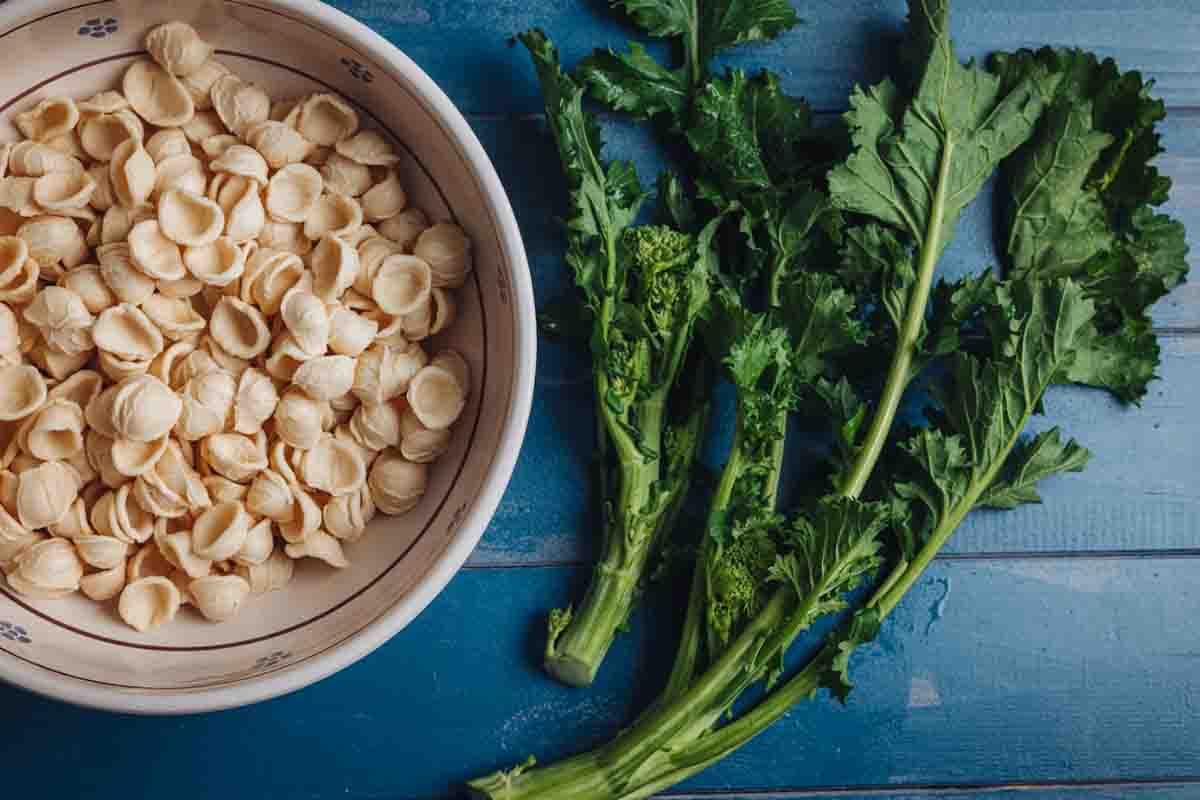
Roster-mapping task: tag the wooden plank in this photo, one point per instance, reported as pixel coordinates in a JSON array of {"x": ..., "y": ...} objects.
[
  {"x": 1139, "y": 493},
  {"x": 463, "y": 44},
  {"x": 992, "y": 672}
]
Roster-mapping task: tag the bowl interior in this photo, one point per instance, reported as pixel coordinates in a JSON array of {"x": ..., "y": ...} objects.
[{"x": 79, "y": 49}]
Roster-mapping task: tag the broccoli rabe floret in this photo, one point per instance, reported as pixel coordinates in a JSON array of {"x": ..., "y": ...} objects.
[{"x": 737, "y": 580}]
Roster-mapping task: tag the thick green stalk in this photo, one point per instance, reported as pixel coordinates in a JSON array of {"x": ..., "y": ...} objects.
[
  {"x": 609, "y": 771},
  {"x": 575, "y": 655},
  {"x": 908, "y": 340}
]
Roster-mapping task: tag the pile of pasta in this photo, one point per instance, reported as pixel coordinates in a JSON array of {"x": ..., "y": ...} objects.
[{"x": 212, "y": 310}]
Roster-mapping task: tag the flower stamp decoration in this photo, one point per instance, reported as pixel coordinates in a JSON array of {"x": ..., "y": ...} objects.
[
  {"x": 274, "y": 659},
  {"x": 358, "y": 70},
  {"x": 14, "y": 633},
  {"x": 98, "y": 28}
]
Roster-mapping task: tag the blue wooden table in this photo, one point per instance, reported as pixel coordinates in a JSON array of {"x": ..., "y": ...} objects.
[{"x": 1053, "y": 652}]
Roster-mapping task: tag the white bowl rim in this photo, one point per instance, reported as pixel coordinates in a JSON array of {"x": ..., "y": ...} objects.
[{"x": 468, "y": 534}]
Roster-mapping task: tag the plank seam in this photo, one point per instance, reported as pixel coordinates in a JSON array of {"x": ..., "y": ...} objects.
[
  {"x": 990, "y": 555},
  {"x": 939, "y": 789}
]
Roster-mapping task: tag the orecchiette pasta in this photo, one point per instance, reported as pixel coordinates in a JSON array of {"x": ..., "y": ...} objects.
[
  {"x": 447, "y": 250},
  {"x": 219, "y": 596},
  {"x": 156, "y": 95},
  {"x": 149, "y": 602},
  {"x": 225, "y": 295},
  {"x": 51, "y": 117},
  {"x": 177, "y": 48},
  {"x": 292, "y": 192},
  {"x": 397, "y": 484}
]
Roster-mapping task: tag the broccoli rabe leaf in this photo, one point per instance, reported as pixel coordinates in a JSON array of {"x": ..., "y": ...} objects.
[
  {"x": 1029, "y": 462},
  {"x": 919, "y": 161},
  {"x": 831, "y": 548},
  {"x": 1078, "y": 201},
  {"x": 986, "y": 403},
  {"x": 708, "y": 27},
  {"x": 635, "y": 83}
]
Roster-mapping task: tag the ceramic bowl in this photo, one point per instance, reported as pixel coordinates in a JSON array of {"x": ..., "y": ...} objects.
[{"x": 78, "y": 651}]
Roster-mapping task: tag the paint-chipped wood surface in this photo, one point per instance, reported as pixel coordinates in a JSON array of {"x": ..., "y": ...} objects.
[{"x": 1053, "y": 653}]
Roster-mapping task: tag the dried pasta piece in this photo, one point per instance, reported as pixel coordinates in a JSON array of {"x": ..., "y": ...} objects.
[
  {"x": 62, "y": 319},
  {"x": 447, "y": 250},
  {"x": 270, "y": 496},
  {"x": 278, "y": 143},
  {"x": 258, "y": 547},
  {"x": 383, "y": 373},
  {"x": 292, "y": 192},
  {"x": 189, "y": 219},
  {"x": 285, "y": 236},
  {"x": 271, "y": 576},
  {"x": 175, "y": 317},
  {"x": 177, "y": 548},
  {"x": 242, "y": 204},
  {"x": 203, "y": 125},
  {"x": 125, "y": 331},
  {"x": 16, "y": 195},
  {"x": 436, "y": 397},
  {"x": 321, "y": 546},
  {"x": 118, "y": 221},
  {"x": 325, "y": 377},
  {"x": 132, "y": 459},
  {"x": 183, "y": 171},
  {"x": 402, "y": 284},
  {"x": 57, "y": 191},
  {"x": 199, "y": 83},
  {"x": 218, "y": 597},
  {"x": 367, "y": 147},
  {"x": 299, "y": 419},
  {"x": 385, "y": 199},
  {"x": 372, "y": 252},
  {"x": 101, "y": 134},
  {"x": 102, "y": 552},
  {"x": 55, "y": 433},
  {"x": 334, "y": 265},
  {"x": 104, "y": 585},
  {"x": 350, "y": 333},
  {"x": 238, "y": 159},
  {"x": 404, "y": 228},
  {"x": 418, "y": 443},
  {"x": 79, "y": 389},
  {"x": 347, "y": 517},
  {"x": 33, "y": 159},
  {"x": 177, "y": 48},
  {"x": 46, "y": 493},
  {"x": 132, "y": 173},
  {"x": 306, "y": 317},
  {"x": 51, "y": 117},
  {"x": 149, "y": 602},
  {"x": 219, "y": 532},
  {"x": 167, "y": 143},
  {"x": 345, "y": 176},
  {"x": 54, "y": 240},
  {"x": 376, "y": 427},
  {"x": 155, "y": 253},
  {"x": 239, "y": 328},
  {"x": 326, "y": 119},
  {"x": 254, "y": 402},
  {"x": 156, "y": 95},
  {"x": 22, "y": 391},
  {"x": 396, "y": 483},
  {"x": 208, "y": 402},
  {"x": 143, "y": 408},
  {"x": 333, "y": 215},
  {"x": 233, "y": 455},
  {"x": 453, "y": 362},
  {"x": 218, "y": 263},
  {"x": 240, "y": 105},
  {"x": 127, "y": 282}
]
